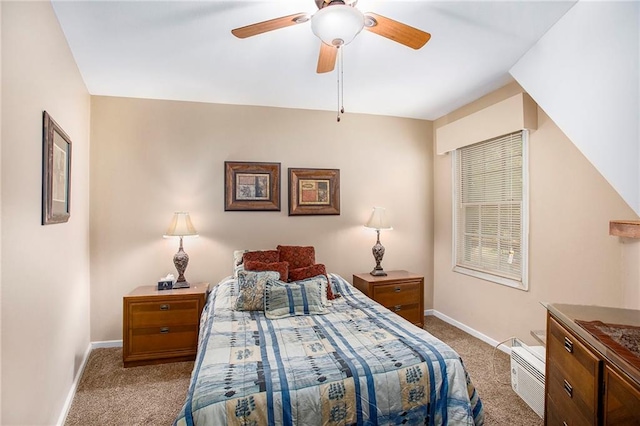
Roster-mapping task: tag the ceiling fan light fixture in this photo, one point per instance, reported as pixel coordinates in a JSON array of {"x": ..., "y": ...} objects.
[
  {"x": 370, "y": 21},
  {"x": 302, "y": 19},
  {"x": 337, "y": 25}
]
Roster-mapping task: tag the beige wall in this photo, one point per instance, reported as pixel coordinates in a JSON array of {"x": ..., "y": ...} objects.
[
  {"x": 45, "y": 269},
  {"x": 572, "y": 257},
  {"x": 631, "y": 272},
  {"x": 0, "y": 211},
  {"x": 150, "y": 158}
]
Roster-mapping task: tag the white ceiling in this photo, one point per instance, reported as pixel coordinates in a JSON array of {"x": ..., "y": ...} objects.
[{"x": 184, "y": 50}]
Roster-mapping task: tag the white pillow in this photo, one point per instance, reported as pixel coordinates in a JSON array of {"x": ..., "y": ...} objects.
[{"x": 237, "y": 262}]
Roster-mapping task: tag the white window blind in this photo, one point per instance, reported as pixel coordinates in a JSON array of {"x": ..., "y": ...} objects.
[{"x": 491, "y": 210}]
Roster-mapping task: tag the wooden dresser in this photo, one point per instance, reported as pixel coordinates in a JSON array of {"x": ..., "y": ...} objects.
[
  {"x": 161, "y": 326},
  {"x": 587, "y": 383},
  {"x": 400, "y": 291}
]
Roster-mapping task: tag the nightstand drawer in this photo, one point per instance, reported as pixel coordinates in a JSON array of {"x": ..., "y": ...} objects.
[
  {"x": 400, "y": 291},
  {"x": 389, "y": 295},
  {"x": 161, "y": 326},
  {"x": 160, "y": 339},
  {"x": 163, "y": 313},
  {"x": 411, "y": 313}
]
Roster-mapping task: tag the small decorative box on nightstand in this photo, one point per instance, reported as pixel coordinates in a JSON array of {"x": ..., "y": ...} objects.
[
  {"x": 161, "y": 326},
  {"x": 400, "y": 291}
]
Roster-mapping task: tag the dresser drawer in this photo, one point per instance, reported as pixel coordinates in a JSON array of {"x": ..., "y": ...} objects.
[
  {"x": 570, "y": 408},
  {"x": 397, "y": 294},
  {"x": 163, "y": 313},
  {"x": 157, "y": 340},
  {"x": 621, "y": 401},
  {"x": 588, "y": 379},
  {"x": 573, "y": 375},
  {"x": 565, "y": 416}
]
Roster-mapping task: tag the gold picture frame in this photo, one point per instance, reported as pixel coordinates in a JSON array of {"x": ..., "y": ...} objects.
[
  {"x": 314, "y": 192},
  {"x": 251, "y": 186},
  {"x": 56, "y": 172}
]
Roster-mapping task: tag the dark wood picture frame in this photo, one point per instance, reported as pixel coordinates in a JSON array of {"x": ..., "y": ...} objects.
[
  {"x": 56, "y": 172},
  {"x": 314, "y": 192},
  {"x": 251, "y": 186}
]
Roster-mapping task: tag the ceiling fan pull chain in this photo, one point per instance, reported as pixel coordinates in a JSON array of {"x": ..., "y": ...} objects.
[
  {"x": 338, "y": 75},
  {"x": 341, "y": 82}
]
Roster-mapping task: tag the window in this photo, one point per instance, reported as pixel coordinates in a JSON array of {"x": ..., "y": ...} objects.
[{"x": 490, "y": 210}]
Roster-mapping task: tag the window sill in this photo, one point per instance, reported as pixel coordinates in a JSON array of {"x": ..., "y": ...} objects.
[{"x": 492, "y": 278}]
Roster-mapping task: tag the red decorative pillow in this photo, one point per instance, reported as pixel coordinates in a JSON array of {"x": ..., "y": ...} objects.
[
  {"x": 281, "y": 267},
  {"x": 312, "y": 271},
  {"x": 297, "y": 256},
  {"x": 265, "y": 256}
]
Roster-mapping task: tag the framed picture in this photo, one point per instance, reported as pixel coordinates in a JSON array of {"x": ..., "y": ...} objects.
[
  {"x": 314, "y": 191},
  {"x": 251, "y": 186},
  {"x": 56, "y": 172}
]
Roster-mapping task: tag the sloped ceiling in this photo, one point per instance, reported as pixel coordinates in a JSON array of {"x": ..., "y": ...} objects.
[
  {"x": 589, "y": 87},
  {"x": 184, "y": 50}
]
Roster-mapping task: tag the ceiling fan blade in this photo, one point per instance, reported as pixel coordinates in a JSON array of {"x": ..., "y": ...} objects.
[
  {"x": 270, "y": 25},
  {"x": 396, "y": 31},
  {"x": 327, "y": 58}
]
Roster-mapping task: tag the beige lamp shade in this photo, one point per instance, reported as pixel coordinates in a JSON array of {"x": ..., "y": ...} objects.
[
  {"x": 181, "y": 226},
  {"x": 378, "y": 219}
]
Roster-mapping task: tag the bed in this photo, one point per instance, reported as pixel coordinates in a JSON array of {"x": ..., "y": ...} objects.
[{"x": 356, "y": 364}]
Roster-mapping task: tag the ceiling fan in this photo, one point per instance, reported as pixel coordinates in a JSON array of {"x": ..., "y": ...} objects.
[{"x": 337, "y": 23}]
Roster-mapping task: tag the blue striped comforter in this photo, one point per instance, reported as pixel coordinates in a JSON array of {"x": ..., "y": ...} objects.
[{"x": 360, "y": 364}]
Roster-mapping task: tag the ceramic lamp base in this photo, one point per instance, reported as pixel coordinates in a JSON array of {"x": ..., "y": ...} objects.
[
  {"x": 183, "y": 284},
  {"x": 181, "y": 260},
  {"x": 378, "y": 253},
  {"x": 378, "y": 272}
]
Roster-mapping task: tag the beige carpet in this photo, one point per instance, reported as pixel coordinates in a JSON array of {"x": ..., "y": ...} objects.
[
  {"x": 109, "y": 394},
  {"x": 502, "y": 406}
]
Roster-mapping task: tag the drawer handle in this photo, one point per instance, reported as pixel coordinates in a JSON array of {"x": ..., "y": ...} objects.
[
  {"x": 397, "y": 308},
  {"x": 164, "y": 307},
  {"x": 397, "y": 289},
  {"x": 568, "y": 389},
  {"x": 568, "y": 345},
  {"x": 165, "y": 330}
]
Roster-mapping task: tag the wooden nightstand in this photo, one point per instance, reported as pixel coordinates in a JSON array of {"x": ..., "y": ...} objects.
[
  {"x": 161, "y": 326},
  {"x": 400, "y": 291}
]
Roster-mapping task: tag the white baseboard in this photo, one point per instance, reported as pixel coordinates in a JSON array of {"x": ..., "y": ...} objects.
[
  {"x": 107, "y": 344},
  {"x": 475, "y": 333},
  {"x": 74, "y": 386}
]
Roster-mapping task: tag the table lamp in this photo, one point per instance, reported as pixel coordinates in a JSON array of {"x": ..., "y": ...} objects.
[
  {"x": 378, "y": 221},
  {"x": 181, "y": 226}
]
